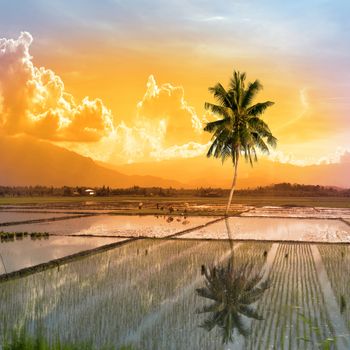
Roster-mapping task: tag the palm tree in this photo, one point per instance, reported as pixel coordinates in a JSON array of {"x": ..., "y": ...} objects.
[
  {"x": 232, "y": 291},
  {"x": 240, "y": 129}
]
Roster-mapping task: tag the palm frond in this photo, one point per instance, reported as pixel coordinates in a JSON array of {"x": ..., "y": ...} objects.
[
  {"x": 221, "y": 95},
  {"x": 237, "y": 83},
  {"x": 240, "y": 325},
  {"x": 249, "y": 312},
  {"x": 259, "y": 108},
  {"x": 272, "y": 140},
  {"x": 260, "y": 143},
  {"x": 240, "y": 128},
  {"x": 206, "y": 293},
  {"x": 211, "y": 322},
  {"x": 212, "y": 126},
  {"x": 218, "y": 110},
  {"x": 250, "y": 93}
]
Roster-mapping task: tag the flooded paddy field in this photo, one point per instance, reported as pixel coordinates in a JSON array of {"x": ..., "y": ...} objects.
[
  {"x": 159, "y": 205},
  {"x": 116, "y": 225},
  {"x": 208, "y": 287},
  {"x": 7, "y": 217},
  {"x": 27, "y": 252},
  {"x": 150, "y": 294},
  {"x": 59, "y": 211},
  {"x": 299, "y": 212},
  {"x": 275, "y": 229}
]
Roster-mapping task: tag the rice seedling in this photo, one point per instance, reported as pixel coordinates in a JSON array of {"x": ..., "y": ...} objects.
[
  {"x": 22, "y": 340},
  {"x": 117, "y": 289},
  {"x": 124, "y": 296},
  {"x": 336, "y": 261},
  {"x": 39, "y": 235},
  {"x": 295, "y": 290},
  {"x": 11, "y": 236},
  {"x": 232, "y": 290}
]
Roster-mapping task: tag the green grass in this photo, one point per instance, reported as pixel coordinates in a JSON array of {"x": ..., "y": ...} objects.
[{"x": 20, "y": 340}]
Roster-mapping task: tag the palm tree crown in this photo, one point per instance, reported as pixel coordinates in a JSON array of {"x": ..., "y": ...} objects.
[{"x": 240, "y": 129}]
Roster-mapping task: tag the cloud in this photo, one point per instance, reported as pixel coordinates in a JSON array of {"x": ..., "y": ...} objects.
[
  {"x": 339, "y": 155},
  {"x": 33, "y": 100},
  {"x": 305, "y": 108},
  {"x": 164, "y": 126},
  {"x": 188, "y": 150},
  {"x": 165, "y": 108}
]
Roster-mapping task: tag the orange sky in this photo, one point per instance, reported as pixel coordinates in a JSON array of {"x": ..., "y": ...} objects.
[
  {"x": 301, "y": 118},
  {"x": 146, "y": 74}
]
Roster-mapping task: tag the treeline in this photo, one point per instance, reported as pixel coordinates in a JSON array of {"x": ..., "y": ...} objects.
[
  {"x": 288, "y": 189},
  {"x": 104, "y": 191},
  {"x": 281, "y": 189}
]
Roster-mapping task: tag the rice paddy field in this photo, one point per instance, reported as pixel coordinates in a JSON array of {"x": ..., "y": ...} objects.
[
  {"x": 8, "y": 217},
  {"x": 267, "y": 278}
]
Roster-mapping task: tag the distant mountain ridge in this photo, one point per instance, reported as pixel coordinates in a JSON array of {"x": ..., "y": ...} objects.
[
  {"x": 201, "y": 172},
  {"x": 26, "y": 161}
]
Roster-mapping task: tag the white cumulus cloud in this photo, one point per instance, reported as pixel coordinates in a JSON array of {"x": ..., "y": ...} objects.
[{"x": 34, "y": 101}]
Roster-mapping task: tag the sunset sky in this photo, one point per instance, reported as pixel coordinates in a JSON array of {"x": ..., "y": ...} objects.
[{"x": 126, "y": 81}]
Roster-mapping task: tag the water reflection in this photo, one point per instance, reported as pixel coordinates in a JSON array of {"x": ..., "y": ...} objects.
[
  {"x": 233, "y": 289},
  {"x": 277, "y": 229},
  {"x": 232, "y": 292},
  {"x": 22, "y": 250},
  {"x": 143, "y": 294},
  {"x": 116, "y": 225}
]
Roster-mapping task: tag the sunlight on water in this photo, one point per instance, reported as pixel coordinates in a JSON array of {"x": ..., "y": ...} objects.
[
  {"x": 116, "y": 225},
  {"x": 26, "y": 252},
  {"x": 9, "y": 217},
  {"x": 282, "y": 229}
]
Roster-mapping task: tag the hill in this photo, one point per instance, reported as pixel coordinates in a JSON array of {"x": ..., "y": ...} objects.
[
  {"x": 199, "y": 172},
  {"x": 26, "y": 161}
]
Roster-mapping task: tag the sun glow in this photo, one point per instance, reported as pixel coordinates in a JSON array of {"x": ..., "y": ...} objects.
[{"x": 135, "y": 92}]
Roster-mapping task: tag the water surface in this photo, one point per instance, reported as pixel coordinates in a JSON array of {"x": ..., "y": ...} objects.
[
  {"x": 143, "y": 293},
  {"x": 116, "y": 225},
  {"x": 10, "y": 217},
  {"x": 26, "y": 252},
  {"x": 275, "y": 229}
]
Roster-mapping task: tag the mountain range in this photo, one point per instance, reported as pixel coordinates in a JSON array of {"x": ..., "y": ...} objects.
[
  {"x": 27, "y": 161},
  {"x": 208, "y": 172}
]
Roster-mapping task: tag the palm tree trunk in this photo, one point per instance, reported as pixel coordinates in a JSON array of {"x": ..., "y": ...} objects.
[{"x": 233, "y": 184}]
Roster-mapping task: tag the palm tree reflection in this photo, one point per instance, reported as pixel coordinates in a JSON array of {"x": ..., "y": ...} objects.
[{"x": 232, "y": 289}]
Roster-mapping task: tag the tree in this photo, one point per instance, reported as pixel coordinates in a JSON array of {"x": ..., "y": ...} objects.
[{"x": 239, "y": 129}]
